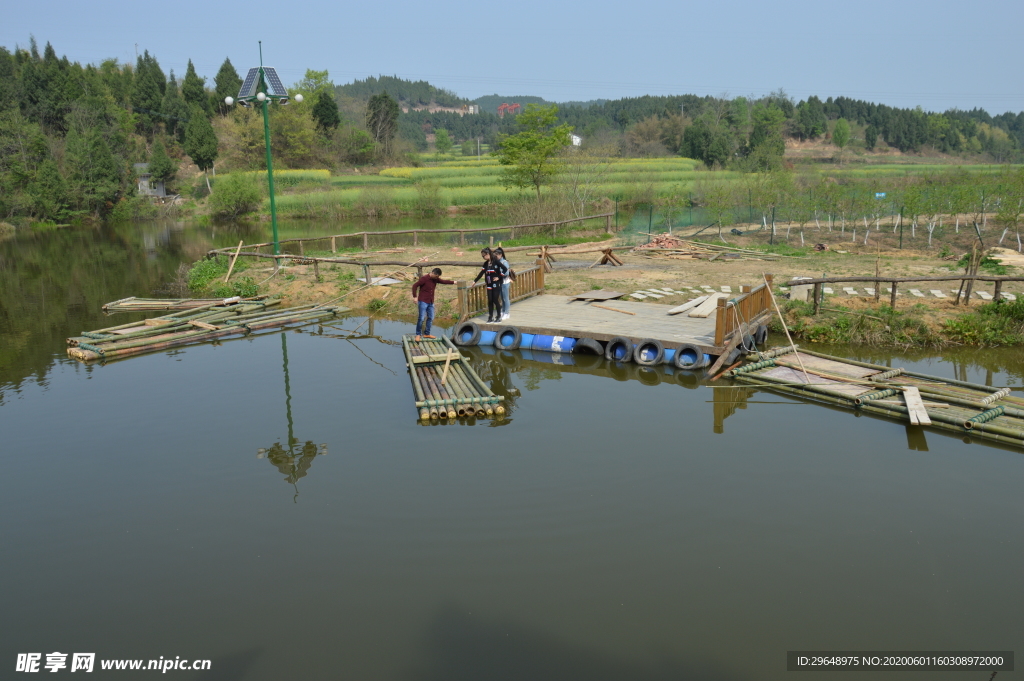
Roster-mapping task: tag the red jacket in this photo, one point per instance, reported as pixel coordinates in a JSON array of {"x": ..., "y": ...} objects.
[{"x": 426, "y": 287}]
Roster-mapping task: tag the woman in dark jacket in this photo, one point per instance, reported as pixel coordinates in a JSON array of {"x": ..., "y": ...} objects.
[{"x": 494, "y": 273}]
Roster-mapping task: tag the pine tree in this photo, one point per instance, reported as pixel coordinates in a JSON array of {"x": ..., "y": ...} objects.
[
  {"x": 49, "y": 192},
  {"x": 174, "y": 110},
  {"x": 201, "y": 141},
  {"x": 94, "y": 175},
  {"x": 193, "y": 90},
  {"x": 147, "y": 91},
  {"x": 161, "y": 166},
  {"x": 325, "y": 113},
  {"x": 227, "y": 83}
]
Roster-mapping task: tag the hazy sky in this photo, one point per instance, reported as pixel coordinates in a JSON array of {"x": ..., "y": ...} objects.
[{"x": 937, "y": 54}]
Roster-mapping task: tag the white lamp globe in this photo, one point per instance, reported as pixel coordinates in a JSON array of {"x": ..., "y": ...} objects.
[
  {"x": 298, "y": 98},
  {"x": 261, "y": 96},
  {"x": 229, "y": 100}
]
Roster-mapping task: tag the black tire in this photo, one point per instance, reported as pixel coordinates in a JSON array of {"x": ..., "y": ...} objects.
[
  {"x": 470, "y": 327},
  {"x": 689, "y": 357},
  {"x": 733, "y": 357},
  {"x": 642, "y": 351},
  {"x": 619, "y": 349},
  {"x": 648, "y": 375},
  {"x": 761, "y": 335},
  {"x": 513, "y": 344},
  {"x": 588, "y": 345}
]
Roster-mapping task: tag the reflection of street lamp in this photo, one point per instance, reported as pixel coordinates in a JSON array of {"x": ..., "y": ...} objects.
[{"x": 263, "y": 85}]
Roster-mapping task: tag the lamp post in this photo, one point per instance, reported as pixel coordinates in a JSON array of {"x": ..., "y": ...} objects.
[{"x": 263, "y": 86}]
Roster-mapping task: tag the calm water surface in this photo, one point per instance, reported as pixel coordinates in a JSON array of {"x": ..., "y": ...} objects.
[{"x": 272, "y": 504}]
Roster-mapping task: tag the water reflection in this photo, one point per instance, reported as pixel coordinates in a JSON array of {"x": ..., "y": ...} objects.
[{"x": 292, "y": 460}]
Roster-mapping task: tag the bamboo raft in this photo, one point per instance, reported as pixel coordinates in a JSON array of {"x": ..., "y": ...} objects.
[
  {"x": 445, "y": 384},
  {"x": 944, "y": 403},
  {"x": 133, "y": 304},
  {"x": 198, "y": 325}
]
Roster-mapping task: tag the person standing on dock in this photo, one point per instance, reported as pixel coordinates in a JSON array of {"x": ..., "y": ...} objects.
[
  {"x": 493, "y": 273},
  {"x": 423, "y": 296},
  {"x": 506, "y": 284}
]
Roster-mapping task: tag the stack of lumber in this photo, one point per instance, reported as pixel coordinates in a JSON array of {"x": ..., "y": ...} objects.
[
  {"x": 192, "y": 326},
  {"x": 445, "y": 384},
  {"x": 671, "y": 247}
]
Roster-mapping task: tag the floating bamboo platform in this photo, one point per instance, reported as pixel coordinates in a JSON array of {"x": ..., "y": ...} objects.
[
  {"x": 445, "y": 384},
  {"x": 134, "y": 304},
  {"x": 966, "y": 408},
  {"x": 198, "y": 325}
]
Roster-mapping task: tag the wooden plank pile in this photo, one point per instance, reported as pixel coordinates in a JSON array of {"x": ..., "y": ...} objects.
[
  {"x": 134, "y": 304},
  {"x": 665, "y": 246},
  {"x": 192, "y": 326}
]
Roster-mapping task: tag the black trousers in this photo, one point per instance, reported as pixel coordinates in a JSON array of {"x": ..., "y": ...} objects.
[{"x": 494, "y": 304}]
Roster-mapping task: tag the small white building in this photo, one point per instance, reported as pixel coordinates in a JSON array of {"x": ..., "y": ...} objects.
[
  {"x": 147, "y": 185},
  {"x": 576, "y": 140}
]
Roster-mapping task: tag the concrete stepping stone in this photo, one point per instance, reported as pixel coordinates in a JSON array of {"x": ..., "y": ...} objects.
[
  {"x": 828, "y": 289},
  {"x": 638, "y": 296},
  {"x": 1009, "y": 296},
  {"x": 727, "y": 289},
  {"x": 917, "y": 294},
  {"x": 937, "y": 293},
  {"x": 656, "y": 292},
  {"x": 870, "y": 291},
  {"x": 784, "y": 289},
  {"x": 984, "y": 295},
  {"x": 652, "y": 295},
  {"x": 667, "y": 290},
  {"x": 849, "y": 291}
]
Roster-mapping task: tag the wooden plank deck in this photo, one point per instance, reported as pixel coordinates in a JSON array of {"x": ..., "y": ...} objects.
[{"x": 563, "y": 316}]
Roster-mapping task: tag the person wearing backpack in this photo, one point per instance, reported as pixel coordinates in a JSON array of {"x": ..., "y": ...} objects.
[
  {"x": 493, "y": 273},
  {"x": 506, "y": 284}
]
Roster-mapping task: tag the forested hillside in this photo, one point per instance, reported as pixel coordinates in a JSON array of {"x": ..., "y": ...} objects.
[{"x": 413, "y": 93}]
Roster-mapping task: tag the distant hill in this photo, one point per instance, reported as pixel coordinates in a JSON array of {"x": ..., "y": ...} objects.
[
  {"x": 414, "y": 93},
  {"x": 490, "y": 103}
]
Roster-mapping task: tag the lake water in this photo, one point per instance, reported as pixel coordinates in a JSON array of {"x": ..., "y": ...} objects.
[{"x": 272, "y": 504}]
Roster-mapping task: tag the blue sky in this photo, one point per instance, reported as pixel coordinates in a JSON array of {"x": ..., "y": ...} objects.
[{"x": 938, "y": 55}]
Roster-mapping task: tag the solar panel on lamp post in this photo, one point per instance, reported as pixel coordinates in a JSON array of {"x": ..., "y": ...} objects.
[{"x": 262, "y": 85}]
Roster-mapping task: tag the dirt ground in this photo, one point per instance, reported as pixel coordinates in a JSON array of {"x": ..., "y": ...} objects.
[{"x": 641, "y": 270}]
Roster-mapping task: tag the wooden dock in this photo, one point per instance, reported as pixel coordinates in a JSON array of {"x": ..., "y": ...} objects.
[{"x": 569, "y": 317}]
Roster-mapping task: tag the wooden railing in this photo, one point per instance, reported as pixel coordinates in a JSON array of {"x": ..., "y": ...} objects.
[
  {"x": 364, "y": 237},
  {"x": 743, "y": 309},
  {"x": 473, "y": 297}
]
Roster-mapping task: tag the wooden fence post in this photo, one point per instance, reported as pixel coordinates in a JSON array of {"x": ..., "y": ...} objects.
[
  {"x": 540, "y": 273},
  {"x": 462, "y": 238},
  {"x": 302, "y": 249},
  {"x": 334, "y": 244},
  {"x": 720, "y": 320},
  {"x": 415, "y": 238},
  {"x": 892, "y": 296},
  {"x": 366, "y": 241},
  {"x": 997, "y": 294},
  {"x": 366, "y": 274},
  {"x": 316, "y": 270},
  {"x": 817, "y": 299},
  {"x": 608, "y": 224}
]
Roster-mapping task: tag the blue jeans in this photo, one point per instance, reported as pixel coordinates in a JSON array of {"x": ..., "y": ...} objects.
[
  {"x": 504, "y": 296},
  {"x": 426, "y": 314}
]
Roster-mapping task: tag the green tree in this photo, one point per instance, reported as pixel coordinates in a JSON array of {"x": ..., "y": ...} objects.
[
  {"x": 325, "y": 112},
  {"x": 708, "y": 142},
  {"x": 870, "y": 137},
  {"x": 147, "y": 91},
  {"x": 531, "y": 157},
  {"x": 161, "y": 166},
  {"x": 443, "y": 141},
  {"x": 201, "y": 141},
  {"x": 49, "y": 192},
  {"x": 469, "y": 147},
  {"x": 810, "y": 119},
  {"x": 227, "y": 84},
  {"x": 237, "y": 194},
  {"x": 193, "y": 90},
  {"x": 174, "y": 110},
  {"x": 841, "y": 135},
  {"x": 766, "y": 145},
  {"x": 315, "y": 82},
  {"x": 95, "y": 177},
  {"x": 382, "y": 121}
]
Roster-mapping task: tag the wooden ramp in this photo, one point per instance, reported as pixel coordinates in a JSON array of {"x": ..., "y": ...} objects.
[
  {"x": 445, "y": 384},
  {"x": 566, "y": 316},
  {"x": 915, "y": 398}
]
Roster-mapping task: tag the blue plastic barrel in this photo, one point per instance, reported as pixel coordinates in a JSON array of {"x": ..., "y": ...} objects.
[
  {"x": 487, "y": 337},
  {"x": 670, "y": 353},
  {"x": 553, "y": 343},
  {"x": 622, "y": 352},
  {"x": 526, "y": 343}
]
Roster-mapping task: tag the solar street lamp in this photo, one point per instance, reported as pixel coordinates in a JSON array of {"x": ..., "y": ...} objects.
[{"x": 263, "y": 85}]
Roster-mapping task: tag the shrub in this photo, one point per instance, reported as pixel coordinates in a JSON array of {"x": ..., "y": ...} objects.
[
  {"x": 236, "y": 194},
  {"x": 429, "y": 200}
]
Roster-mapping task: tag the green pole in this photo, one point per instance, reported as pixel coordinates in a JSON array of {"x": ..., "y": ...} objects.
[
  {"x": 901, "y": 228},
  {"x": 270, "y": 176}
]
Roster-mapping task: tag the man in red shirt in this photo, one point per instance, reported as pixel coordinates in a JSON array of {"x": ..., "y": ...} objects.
[{"x": 425, "y": 300}]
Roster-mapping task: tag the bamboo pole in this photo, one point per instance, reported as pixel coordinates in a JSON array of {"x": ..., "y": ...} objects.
[
  {"x": 231, "y": 267},
  {"x": 768, "y": 287}
]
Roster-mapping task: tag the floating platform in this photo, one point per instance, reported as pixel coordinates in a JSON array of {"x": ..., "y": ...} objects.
[
  {"x": 193, "y": 326},
  {"x": 134, "y": 304},
  {"x": 966, "y": 408},
  {"x": 445, "y": 384}
]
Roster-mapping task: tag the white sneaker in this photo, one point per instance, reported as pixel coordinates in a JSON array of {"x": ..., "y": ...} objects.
[{"x": 507, "y": 315}]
